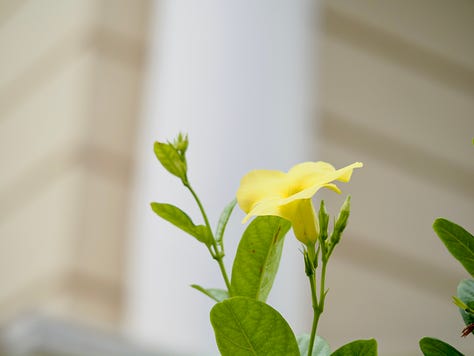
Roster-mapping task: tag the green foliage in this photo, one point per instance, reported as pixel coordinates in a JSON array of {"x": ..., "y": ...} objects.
[
  {"x": 358, "y": 348},
  {"x": 171, "y": 159},
  {"x": 458, "y": 241},
  {"x": 224, "y": 218},
  {"x": 245, "y": 326},
  {"x": 243, "y": 323},
  {"x": 434, "y": 347},
  {"x": 181, "y": 220},
  {"x": 258, "y": 257},
  {"x": 466, "y": 295},
  {"x": 217, "y": 294},
  {"x": 320, "y": 347}
]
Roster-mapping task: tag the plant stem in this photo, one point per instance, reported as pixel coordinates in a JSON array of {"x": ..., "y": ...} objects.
[
  {"x": 217, "y": 254},
  {"x": 204, "y": 215},
  {"x": 316, "y": 314},
  {"x": 322, "y": 291},
  {"x": 318, "y": 306},
  {"x": 224, "y": 274}
]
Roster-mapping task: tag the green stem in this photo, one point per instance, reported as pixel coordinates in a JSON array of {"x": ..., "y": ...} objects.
[
  {"x": 318, "y": 307},
  {"x": 224, "y": 274},
  {"x": 217, "y": 254},
  {"x": 204, "y": 215},
  {"x": 322, "y": 291},
  {"x": 316, "y": 314}
]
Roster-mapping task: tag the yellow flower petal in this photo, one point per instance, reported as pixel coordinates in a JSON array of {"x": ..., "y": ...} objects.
[
  {"x": 303, "y": 194},
  {"x": 257, "y": 185},
  {"x": 344, "y": 174},
  {"x": 264, "y": 208},
  {"x": 333, "y": 187}
]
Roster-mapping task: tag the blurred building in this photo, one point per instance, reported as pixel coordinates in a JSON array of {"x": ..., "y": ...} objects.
[
  {"x": 395, "y": 89},
  {"x": 70, "y": 86}
]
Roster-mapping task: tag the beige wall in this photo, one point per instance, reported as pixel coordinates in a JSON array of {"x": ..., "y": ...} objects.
[
  {"x": 70, "y": 79},
  {"x": 397, "y": 93}
]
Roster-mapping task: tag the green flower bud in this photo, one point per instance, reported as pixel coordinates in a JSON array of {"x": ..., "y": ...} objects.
[
  {"x": 180, "y": 143},
  {"x": 341, "y": 221},
  {"x": 308, "y": 263},
  {"x": 323, "y": 222},
  {"x": 310, "y": 259}
]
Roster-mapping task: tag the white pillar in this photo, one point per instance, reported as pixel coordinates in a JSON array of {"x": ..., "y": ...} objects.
[{"x": 237, "y": 76}]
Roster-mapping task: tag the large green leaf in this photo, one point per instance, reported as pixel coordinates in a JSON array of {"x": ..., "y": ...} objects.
[
  {"x": 170, "y": 159},
  {"x": 458, "y": 241},
  {"x": 358, "y": 348},
  {"x": 320, "y": 347},
  {"x": 181, "y": 220},
  {"x": 434, "y": 347},
  {"x": 245, "y": 326},
  {"x": 217, "y": 294},
  {"x": 224, "y": 218},
  {"x": 466, "y": 294},
  {"x": 258, "y": 257}
]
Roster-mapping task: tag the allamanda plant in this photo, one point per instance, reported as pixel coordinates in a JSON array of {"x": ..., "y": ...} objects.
[{"x": 243, "y": 323}]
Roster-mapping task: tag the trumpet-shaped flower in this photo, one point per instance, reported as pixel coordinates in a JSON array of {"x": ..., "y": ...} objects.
[{"x": 288, "y": 195}]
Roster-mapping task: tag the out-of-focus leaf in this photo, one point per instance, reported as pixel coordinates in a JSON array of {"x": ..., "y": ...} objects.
[
  {"x": 358, "y": 348},
  {"x": 181, "y": 220},
  {"x": 434, "y": 347},
  {"x": 217, "y": 294},
  {"x": 458, "y": 241},
  {"x": 224, "y": 218},
  {"x": 170, "y": 159}
]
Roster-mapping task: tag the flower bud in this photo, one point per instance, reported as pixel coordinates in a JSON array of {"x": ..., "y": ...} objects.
[
  {"x": 308, "y": 265},
  {"x": 180, "y": 143},
  {"x": 310, "y": 259},
  {"x": 341, "y": 221},
  {"x": 323, "y": 222}
]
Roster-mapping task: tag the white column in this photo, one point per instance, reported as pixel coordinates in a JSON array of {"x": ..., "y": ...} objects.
[{"x": 237, "y": 76}]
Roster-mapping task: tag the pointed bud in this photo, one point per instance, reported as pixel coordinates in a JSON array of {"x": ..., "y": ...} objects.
[
  {"x": 323, "y": 222},
  {"x": 341, "y": 221},
  {"x": 308, "y": 265}
]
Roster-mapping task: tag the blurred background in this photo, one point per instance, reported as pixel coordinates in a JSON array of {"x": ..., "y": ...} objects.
[{"x": 87, "y": 86}]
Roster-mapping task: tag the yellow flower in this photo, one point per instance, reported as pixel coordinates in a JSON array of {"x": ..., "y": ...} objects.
[{"x": 288, "y": 195}]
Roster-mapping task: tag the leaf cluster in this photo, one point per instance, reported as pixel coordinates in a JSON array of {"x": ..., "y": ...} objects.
[{"x": 460, "y": 243}]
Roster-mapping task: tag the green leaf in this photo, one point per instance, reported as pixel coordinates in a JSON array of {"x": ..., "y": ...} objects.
[
  {"x": 245, "y": 326},
  {"x": 171, "y": 159},
  {"x": 320, "y": 347},
  {"x": 181, "y": 220},
  {"x": 358, "y": 348},
  {"x": 434, "y": 347},
  {"x": 458, "y": 241},
  {"x": 217, "y": 294},
  {"x": 224, "y": 218},
  {"x": 466, "y": 294},
  {"x": 258, "y": 257}
]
